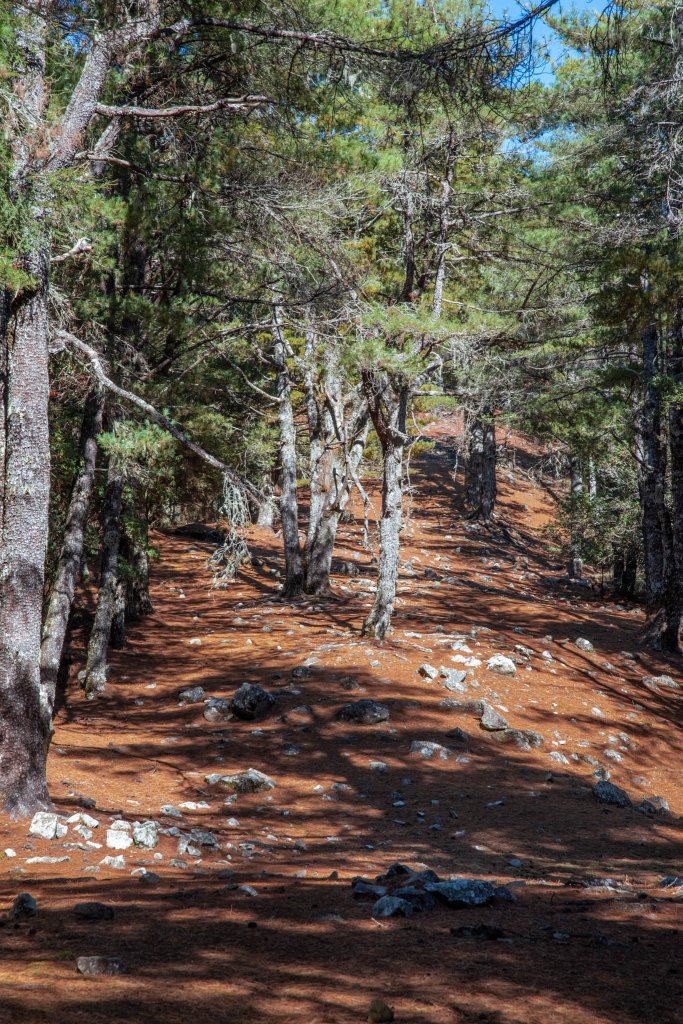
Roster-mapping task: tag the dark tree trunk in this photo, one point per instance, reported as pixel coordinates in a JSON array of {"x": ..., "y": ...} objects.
[
  {"x": 625, "y": 571},
  {"x": 651, "y": 473},
  {"x": 575, "y": 568},
  {"x": 480, "y": 480},
  {"x": 96, "y": 665},
  {"x": 71, "y": 554},
  {"x": 388, "y": 407},
  {"x": 673, "y": 594},
  {"x": 289, "y": 512},
  {"x": 138, "y": 600}
]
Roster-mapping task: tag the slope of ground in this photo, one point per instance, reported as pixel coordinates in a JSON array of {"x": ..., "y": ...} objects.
[{"x": 592, "y": 935}]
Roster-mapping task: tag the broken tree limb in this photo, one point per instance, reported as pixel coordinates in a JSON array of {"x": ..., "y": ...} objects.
[{"x": 95, "y": 360}]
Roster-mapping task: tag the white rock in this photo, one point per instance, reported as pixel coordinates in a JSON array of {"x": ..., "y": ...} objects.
[
  {"x": 83, "y": 819},
  {"x": 117, "y": 839},
  {"x": 584, "y": 645},
  {"x": 47, "y": 825},
  {"x": 9, "y": 852},
  {"x": 121, "y": 826},
  {"x": 114, "y": 862},
  {"x": 146, "y": 835},
  {"x": 46, "y": 860},
  {"x": 502, "y": 665},
  {"x": 427, "y": 671}
]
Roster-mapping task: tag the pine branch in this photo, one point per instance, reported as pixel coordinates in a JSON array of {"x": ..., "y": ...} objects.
[{"x": 94, "y": 358}]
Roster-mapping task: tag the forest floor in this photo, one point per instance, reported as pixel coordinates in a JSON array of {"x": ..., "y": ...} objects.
[{"x": 592, "y": 936}]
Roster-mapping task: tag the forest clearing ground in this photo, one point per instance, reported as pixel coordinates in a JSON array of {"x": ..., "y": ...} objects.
[{"x": 303, "y": 949}]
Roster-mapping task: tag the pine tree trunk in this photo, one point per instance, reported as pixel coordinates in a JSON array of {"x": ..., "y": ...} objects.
[
  {"x": 480, "y": 480},
  {"x": 575, "y": 569},
  {"x": 388, "y": 409},
  {"x": 320, "y": 543},
  {"x": 96, "y": 665},
  {"x": 138, "y": 600},
  {"x": 25, "y": 488},
  {"x": 289, "y": 512},
  {"x": 71, "y": 554},
  {"x": 651, "y": 473},
  {"x": 379, "y": 620},
  {"x": 673, "y": 595}
]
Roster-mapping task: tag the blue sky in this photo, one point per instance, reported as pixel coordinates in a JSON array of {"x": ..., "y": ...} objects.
[{"x": 511, "y": 9}]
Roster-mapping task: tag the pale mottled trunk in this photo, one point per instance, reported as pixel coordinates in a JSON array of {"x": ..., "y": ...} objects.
[
  {"x": 265, "y": 510},
  {"x": 96, "y": 665},
  {"x": 480, "y": 478},
  {"x": 24, "y": 715},
  {"x": 71, "y": 554},
  {"x": 289, "y": 512},
  {"x": 651, "y": 473},
  {"x": 575, "y": 497},
  {"x": 379, "y": 620},
  {"x": 388, "y": 408},
  {"x": 320, "y": 543}
]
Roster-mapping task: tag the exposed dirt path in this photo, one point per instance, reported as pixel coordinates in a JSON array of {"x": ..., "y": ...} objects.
[{"x": 303, "y": 949}]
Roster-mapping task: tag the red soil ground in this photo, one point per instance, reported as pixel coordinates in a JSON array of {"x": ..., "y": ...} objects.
[{"x": 303, "y": 949}]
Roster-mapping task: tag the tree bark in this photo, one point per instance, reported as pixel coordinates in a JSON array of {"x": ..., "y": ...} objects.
[
  {"x": 24, "y": 714},
  {"x": 673, "y": 594},
  {"x": 320, "y": 542},
  {"x": 480, "y": 481},
  {"x": 289, "y": 511},
  {"x": 575, "y": 569},
  {"x": 651, "y": 473},
  {"x": 388, "y": 408},
  {"x": 71, "y": 554},
  {"x": 96, "y": 665}
]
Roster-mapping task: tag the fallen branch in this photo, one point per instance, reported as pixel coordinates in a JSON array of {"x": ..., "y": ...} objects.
[{"x": 153, "y": 414}]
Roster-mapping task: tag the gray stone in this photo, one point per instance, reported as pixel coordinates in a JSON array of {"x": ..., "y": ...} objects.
[
  {"x": 391, "y": 906},
  {"x": 118, "y": 863},
  {"x": 463, "y": 892},
  {"x": 653, "y": 805},
  {"x": 150, "y": 878},
  {"x": 249, "y": 781},
  {"x": 491, "y": 720},
  {"x": 418, "y": 898},
  {"x": 523, "y": 739},
  {"x": 558, "y": 757},
  {"x": 364, "y": 712},
  {"x": 251, "y": 701},
  {"x": 169, "y": 811},
  {"x": 191, "y": 695},
  {"x": 429, "y": 750},
  {"x": 146, "y": 835},
  {"x": 218, "y": 709},
  {"x": 93, "y": 911},
  {"x": 24, "y": 905},
  {"x": 502, "y": 665},
  {"x": 47, "y": 825},
  {"x": 584, "y": 645},
  {"x": 454, "y": 680},
  {"x": 427, "y": 671},
  {"x": 608, "y": 793},
  {"x": 655, "y": 681},
  {"x": 366, "y": 890},
  {"x": 96, "y": 965}
]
